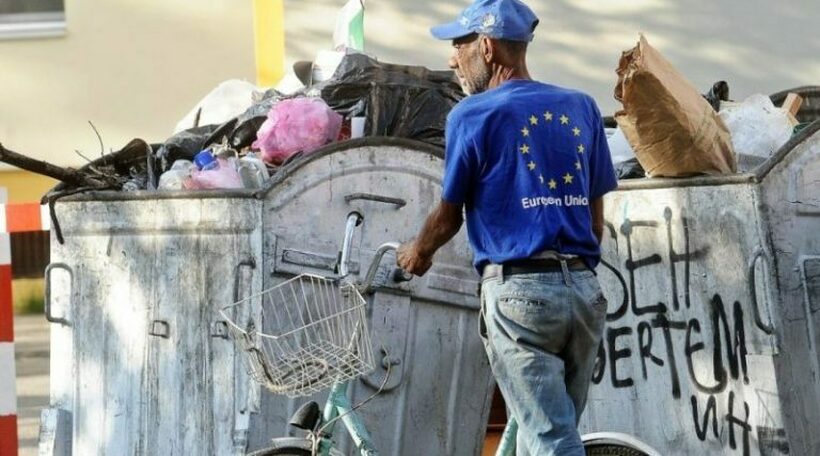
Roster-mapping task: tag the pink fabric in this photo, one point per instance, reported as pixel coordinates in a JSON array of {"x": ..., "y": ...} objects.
[{"x": 298, "y": 124}]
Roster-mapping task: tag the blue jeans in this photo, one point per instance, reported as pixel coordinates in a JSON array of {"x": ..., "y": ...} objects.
[{"x": 541, "y": 332}]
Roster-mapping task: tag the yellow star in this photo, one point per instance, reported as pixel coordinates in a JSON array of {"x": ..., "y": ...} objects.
[
  {"x": 578, "y": 165},
  {"x": 576, "y": 131},
  {"x": 525, "y": 131},
  {"x": 534, "y": 120},
  {"x": 581, "y": 149},
  {"x": 525, "y": 149},
  {"x": 568, "y": 178},
  {"x": 564, "y": 120},
  {"x": 541, "y": 178},
  {"x": 548, "y": 116},
  {"x": 553, "y": 185},
  {"x": 531, "y": 166}
]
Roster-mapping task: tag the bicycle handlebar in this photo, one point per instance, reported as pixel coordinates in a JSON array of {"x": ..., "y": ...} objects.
[
  {"x": 354, "y": 219},
  {"x": 367, "y": 284}
]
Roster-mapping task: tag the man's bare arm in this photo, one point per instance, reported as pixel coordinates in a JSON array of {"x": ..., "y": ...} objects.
[
  {"x": 597, "y": 210},
  {"x": 441, "y": 225}
]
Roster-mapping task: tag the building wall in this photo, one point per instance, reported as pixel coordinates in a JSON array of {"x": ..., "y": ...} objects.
[
  {"x": 756, "y": 45},
  {"x": 132, "y": 67},
  {"x": 24, "y": 187},
  {"x": 136, "y": 67}
]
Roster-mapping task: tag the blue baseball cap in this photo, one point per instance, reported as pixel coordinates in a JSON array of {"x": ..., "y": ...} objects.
[{"x": 499, "y": 19}]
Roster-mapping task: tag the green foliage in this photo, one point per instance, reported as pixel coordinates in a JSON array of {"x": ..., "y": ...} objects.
[{"x": 30, "y": 304}]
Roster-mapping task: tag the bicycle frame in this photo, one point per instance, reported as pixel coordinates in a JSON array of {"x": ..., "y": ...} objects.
[
  {"x": 338, "y": 405},
  {"x": 507, "y": 445}
]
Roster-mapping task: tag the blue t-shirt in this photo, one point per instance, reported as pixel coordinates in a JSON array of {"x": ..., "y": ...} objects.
[{"x": 526, "y": 159}]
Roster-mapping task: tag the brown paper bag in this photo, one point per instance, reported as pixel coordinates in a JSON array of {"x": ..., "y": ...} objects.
[{"x": 672, "y": 128}]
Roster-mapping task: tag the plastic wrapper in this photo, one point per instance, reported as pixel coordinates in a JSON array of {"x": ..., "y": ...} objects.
[
  {"x": 178, "y": 177},
  {"x": 225, "y": 176},
  {"x": 757, "y": 127},
  {"x": 296, "y": 125}
]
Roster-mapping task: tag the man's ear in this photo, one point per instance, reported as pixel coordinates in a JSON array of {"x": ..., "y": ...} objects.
[{"x": 487, "y": 49}]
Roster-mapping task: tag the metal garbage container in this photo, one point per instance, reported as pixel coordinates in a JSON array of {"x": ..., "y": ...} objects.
[
  {"x": 437, "y": 399},
  {"x": 141, "y": 362},
  {"x": 714, "y": 291}
]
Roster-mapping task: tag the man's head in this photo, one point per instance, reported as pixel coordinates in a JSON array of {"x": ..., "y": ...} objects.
[{"x": 488, "y": 34}]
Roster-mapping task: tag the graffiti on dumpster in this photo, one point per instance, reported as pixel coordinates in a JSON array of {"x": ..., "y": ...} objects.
[{"x": 672, "y": 336}]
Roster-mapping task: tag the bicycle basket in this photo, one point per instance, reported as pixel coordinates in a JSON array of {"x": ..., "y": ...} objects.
[{"x": 313, "y": 333}]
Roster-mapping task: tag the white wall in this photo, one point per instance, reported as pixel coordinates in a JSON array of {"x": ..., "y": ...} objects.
[
  {"x": 135, "y": 67},
  {"x": 758, "y": 46}
]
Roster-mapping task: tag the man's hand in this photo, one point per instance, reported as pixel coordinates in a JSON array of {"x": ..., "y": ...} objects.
[
  {"x": 441, "y": 225},
  {"x": 411, "y": 260}
]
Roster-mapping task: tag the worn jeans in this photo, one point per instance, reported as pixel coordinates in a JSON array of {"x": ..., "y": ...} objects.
[{"x": 541, "y": 332}]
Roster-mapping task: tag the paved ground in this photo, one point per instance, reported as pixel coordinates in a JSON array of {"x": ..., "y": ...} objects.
[{"x": 31, "y": 340}]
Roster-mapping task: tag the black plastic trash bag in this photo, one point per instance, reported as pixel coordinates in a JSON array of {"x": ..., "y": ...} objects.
[
  {"x": 396, "y": 100},
  {"x": 630, "y": 169},
  {"x": 719, "y": 92},
  {"x": 247, "y": 124},
  {"x": 184, "y": 145}
]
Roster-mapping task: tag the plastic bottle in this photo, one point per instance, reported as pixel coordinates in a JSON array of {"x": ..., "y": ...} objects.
[
  {"x": 253, "y": 171},
  {"x": 205, "y": 161},
  {"x": 176, "y": 177},
  {"x": 183, "y": 165}
]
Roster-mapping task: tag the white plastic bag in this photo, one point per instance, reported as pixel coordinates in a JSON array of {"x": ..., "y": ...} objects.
[
  {"x": 619, "y": 147},
  {"x": 349, "y": 32},
  {"x": 757, "y": 127},
  {"x": 228, "y": 100}
]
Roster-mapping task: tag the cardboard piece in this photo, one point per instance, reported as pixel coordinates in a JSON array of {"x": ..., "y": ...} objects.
[
  {"x": 792, "y": 105},
  {"x": 672, "y": 128}
]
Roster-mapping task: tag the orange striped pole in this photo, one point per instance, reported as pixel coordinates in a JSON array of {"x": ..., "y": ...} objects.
[
  {"x": 8, "y": 389},
  {"x": 14, "y": 218}
]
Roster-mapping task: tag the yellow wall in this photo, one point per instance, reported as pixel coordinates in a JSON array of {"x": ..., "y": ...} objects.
[{"x": 25, "y": 187}]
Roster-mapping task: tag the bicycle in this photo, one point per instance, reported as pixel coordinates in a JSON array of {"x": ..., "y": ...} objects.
[{"x": 319, "y": 339}]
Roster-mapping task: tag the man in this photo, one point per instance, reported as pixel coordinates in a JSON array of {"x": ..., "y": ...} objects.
[{"x": 529, "y": 164}]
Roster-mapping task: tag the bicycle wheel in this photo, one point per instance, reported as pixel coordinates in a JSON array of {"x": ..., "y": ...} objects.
[
  {"x": 292, "y": 451},
  {"x": 290, "y": 446},
  {"x": 612, "y": 450},
  {"x": 286, "y": 446}
]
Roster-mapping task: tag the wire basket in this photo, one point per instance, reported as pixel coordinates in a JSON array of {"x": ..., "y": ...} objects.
[{"x": 313, "y": 334}]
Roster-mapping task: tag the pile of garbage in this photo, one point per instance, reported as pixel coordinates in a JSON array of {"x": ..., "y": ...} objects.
[
  {"x": 667, "y": 129},
  {"x": 364, "y": 97},
  {"x": 239, "y": 136}
]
